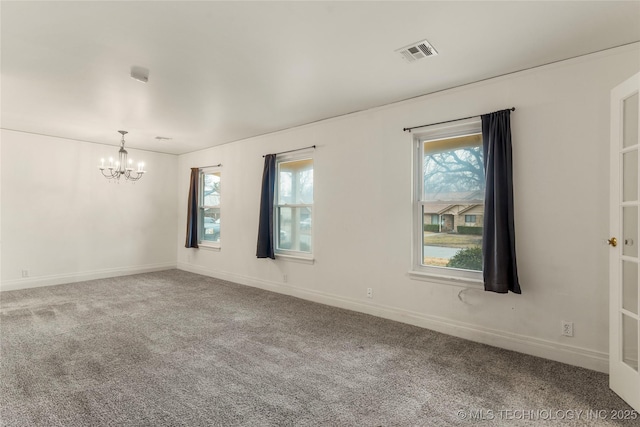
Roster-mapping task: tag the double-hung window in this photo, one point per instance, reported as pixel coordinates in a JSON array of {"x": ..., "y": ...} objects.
[
  {"x": 209, "y": 208},
  {"x": 294, "y": 206},
  {"x": 449, "y": 187}
]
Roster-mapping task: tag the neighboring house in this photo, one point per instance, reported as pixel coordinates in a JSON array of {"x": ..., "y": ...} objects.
[
  {"x": 466, "y": 210},
  {"x": 450, "y": 216}
]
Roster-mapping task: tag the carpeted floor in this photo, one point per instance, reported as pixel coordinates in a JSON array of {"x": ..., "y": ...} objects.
[{"x": 178, "y": 349}]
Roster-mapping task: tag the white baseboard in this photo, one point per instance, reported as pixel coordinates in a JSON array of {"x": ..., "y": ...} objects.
[
  {"x": 59, "y": 279},
  {"x": 577, "y": 356}
]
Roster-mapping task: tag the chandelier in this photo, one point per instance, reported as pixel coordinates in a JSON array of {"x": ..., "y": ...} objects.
[{"x": 122, "y": 167}]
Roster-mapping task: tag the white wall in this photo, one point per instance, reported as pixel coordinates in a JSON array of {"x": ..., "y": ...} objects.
[
  {"x": 363, "y": 211},
  {"x": 63, "y": 222}
]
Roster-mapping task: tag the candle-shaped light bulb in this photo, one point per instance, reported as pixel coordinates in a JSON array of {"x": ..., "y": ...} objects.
[
  {"x": 139, "y": 166},
  {"x": 142, "y": 166},
  {"x": 110, "y": 162},
  {"x": 102, "y": 163},
  {"x": 130, "y": 161}
]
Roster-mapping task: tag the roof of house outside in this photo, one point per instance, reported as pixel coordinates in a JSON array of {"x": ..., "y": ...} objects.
[{"x": 448, "y": 208}]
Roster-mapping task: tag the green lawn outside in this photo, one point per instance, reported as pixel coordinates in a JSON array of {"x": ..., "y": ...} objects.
[{"x": 451, "y": 240}]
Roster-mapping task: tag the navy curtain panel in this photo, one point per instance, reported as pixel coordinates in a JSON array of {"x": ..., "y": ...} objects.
[
  {"x": 499, "y": 241},
  {"x": 266, "y": 246},
  {"x": 192, "y": 211}
]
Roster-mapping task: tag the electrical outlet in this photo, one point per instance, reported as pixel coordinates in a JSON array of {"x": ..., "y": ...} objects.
[
  {"x": 25, "y": 273},
  {"x": 285, "y": 278},
  {"x": 567, "y": 328},
  {"x": 369, "y": 293}
]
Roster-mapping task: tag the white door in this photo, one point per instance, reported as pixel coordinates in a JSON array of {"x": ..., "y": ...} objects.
[{"x": 624, "y": 322}]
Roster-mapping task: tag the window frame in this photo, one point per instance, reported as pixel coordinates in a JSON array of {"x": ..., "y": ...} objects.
[
  {"x": 201, "y": 207},
  {"x": 447, "y": 275},
  {"x": 288, "y": 253}
]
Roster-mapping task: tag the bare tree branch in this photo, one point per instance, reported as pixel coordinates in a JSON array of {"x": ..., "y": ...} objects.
[{"x": 453, "y": 171}]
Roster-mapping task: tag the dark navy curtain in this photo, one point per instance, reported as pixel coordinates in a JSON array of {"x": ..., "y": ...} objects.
[
  {"x": 499, "y": 240},
  {"x": 266, "y": 244},
  {"x": 192, "y": 210}
]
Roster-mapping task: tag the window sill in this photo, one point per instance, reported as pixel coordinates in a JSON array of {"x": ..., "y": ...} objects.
[
  {"x": 446, "y": 280},
  {"x": 209, "y": 247},
  {"x": 294, "y": 258}
]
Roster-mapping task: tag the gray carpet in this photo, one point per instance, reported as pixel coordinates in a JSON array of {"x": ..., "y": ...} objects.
[{"x": 178, "y": 349}]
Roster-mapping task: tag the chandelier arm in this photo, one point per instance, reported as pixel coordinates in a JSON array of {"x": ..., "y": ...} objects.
[
  {"x": 114, "y": 174},
  {"x": 137, "y": 177},
  {"x": 129, "y": 177}
]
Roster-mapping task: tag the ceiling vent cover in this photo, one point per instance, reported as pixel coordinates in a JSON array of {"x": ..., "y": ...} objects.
[{"x": 418, "y": 50}]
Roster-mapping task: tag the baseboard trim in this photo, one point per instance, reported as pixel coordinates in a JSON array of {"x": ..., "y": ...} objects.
[
  {"x": 577, "y": 356},
  {"x": 59, "y": 279}
]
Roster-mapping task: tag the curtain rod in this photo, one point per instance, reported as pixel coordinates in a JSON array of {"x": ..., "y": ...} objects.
[
  {"x": 210, "y": 166},
  {"x": 291, "y": 151},
  {"x": 449, "y": 121}
]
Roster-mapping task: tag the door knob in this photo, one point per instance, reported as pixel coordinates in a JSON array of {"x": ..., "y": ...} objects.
[{"x": 613, "y": 242}]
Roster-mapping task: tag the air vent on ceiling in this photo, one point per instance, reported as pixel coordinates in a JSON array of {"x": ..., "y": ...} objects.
[
  {"x": 140, "y": 74},
  {"x": 418, "y": 50}
]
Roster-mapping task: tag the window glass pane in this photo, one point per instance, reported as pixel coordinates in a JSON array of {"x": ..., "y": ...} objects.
[
  {"x": 210, "y": 224},
  {"x": 453, "y": 192},
  {"x": 630, "y": 171},
  {"x": 630, "y": 120},
  {"x": 453, "y": 169},
  {"x": 630, "y": 231},
  {"x": 630, "y": 341},
  {"x": 630, "y": 286},
  {"x": 295, "y": 182},
  {"x": 211, "y": 189},
  {"x": 294, "y": 225}
]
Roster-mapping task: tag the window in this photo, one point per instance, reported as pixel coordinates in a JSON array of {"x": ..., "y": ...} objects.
[
  {"x": 294, "y": 206},
  {"x": 209, "y": 208},
  {"x": 449, "y": 181}
]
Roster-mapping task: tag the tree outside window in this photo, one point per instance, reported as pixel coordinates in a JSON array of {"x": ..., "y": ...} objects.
[
  {"x": 294, "y": 206},
  {"x": 452, "y": 188},
  {"x": 209, "y": 213}
]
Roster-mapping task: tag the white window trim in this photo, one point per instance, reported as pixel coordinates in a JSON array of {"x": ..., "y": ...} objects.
[
  {"x": 445, "y": 279},
  {"x": 445, "y": 275},
  {"x": 285, "y": 254},
  {"x": 296, "y": 258},
  {"x": 205, "y": 244}
]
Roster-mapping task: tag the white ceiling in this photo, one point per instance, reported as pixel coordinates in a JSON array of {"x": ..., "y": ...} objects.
[{"x": 224, "y": 71}]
